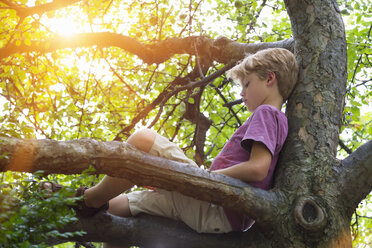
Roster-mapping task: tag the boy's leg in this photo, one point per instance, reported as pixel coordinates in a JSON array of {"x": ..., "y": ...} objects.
[
  {"x": 110, "y": 187},
  {"x": 199, "y": 215}
]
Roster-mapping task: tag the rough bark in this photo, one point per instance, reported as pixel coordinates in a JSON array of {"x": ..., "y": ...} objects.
[
  {"x": 23, "y": 12},
  {"x": 305, "y": 174}
]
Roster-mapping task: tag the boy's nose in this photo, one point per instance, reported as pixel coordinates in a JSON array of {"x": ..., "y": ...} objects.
[{"x": 241, "y": 93}]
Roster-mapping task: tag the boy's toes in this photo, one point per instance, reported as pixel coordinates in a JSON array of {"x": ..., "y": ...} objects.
[
  {"x": 48, "y": 188},
  {"x": 47, "y": 185}
]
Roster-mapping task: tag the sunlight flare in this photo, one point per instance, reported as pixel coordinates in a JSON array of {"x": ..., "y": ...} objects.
[{"x": 64, "y": 26}]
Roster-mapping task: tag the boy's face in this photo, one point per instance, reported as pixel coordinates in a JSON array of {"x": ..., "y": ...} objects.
[{"x": 254, "y": 91}]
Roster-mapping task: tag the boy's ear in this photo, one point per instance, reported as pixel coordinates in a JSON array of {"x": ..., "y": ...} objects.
[{"x": 271, "y": 78}]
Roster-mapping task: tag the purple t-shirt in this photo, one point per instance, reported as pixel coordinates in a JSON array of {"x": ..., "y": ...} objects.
[{"x": 267, "y": 125}]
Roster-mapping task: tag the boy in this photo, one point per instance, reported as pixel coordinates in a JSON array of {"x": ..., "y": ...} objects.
[{"x": 267, "y": 79}]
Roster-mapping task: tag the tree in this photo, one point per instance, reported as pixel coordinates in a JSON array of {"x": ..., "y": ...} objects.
[{"x": 315, "y": 194}]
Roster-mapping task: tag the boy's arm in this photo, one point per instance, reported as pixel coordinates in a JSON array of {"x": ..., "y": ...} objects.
[{"x": 253, "y": 170}]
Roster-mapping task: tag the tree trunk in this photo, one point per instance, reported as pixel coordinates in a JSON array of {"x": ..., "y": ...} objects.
[{"x": 306, "y": 173}]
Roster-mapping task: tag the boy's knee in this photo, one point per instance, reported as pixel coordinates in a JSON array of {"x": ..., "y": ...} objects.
[{"x": 142, "y": 139}]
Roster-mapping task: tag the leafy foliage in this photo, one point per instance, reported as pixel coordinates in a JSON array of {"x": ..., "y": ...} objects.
[
  {"x": 357, "y": 127},
  {"x": 29, "y": 222}
]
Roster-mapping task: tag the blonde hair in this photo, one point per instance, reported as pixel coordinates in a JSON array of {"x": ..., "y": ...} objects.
[{"x": 278, "y": 60}]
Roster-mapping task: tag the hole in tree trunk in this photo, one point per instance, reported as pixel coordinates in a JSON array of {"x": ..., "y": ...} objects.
[{"x": 309, "y": 212}]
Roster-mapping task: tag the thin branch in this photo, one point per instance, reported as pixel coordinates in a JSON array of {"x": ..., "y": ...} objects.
[
  {"x": 198, "y": 62},
  {"x": 363, "y": 82},
  {"x": 229, "y": 107},
  {"x": 120, "y": 77},
  {"x": 82, "y": 108},
  {"x": 179, "y": 123},
  {"x": 235, "y": 102},
  {"x": 148, "y": 86},
  {"x": 9, "y": 3},
  {"x": 343, "y": 146},
  {"x": 369, "y": 32},
  {"x": 365, "y": 217},
  {"x": 108, "y": 7},
  {"x": 169, "y": 115},
  {"x": 191, "y": 16},
  {"x": 201, "y": 70},
  {"x": 84, "y": 244},
  {"x": 162, "y": 98},
  {"x": 157, "y": 117},
  {"x": 23, "y": 12},
  {"x": 202, "y": 83},
  {"x": 252, "y": 24},
  {"x": 355, "y": 71}
]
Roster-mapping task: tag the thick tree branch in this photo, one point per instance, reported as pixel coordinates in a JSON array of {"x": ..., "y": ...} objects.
[
  {"x": 202, "y": 124},
  {"x": 226, "y": 50},
  {"x": 152, "y": 231},
  {"x": 354, "y": 176},
  {"x": 123, "y": 160},
  {"x": 103, "y": 39},
  {"x": 221, "y": 50}
]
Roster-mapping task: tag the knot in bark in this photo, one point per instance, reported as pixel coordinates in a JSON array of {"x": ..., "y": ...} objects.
[{"x": 309, "y": 214}]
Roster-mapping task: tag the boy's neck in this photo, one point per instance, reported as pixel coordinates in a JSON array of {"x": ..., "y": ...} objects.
[{"x": 276, "y": 103}]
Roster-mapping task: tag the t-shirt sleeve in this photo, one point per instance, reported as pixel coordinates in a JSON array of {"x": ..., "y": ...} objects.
[{"x": 262, "y": 128}]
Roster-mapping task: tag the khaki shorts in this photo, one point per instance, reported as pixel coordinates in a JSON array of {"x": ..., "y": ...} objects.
[{"x": 202, "y": 216}]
